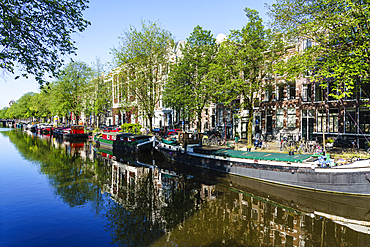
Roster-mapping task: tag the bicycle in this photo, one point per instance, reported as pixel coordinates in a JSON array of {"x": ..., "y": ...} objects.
[
  {"x": 222, "y": 142},
  {"x": 301, "y": 148}
]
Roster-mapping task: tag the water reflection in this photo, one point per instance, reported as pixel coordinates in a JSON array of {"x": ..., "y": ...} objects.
[
  {"x": 148, "y": 201},
  {"x": 187, "y": 211}
]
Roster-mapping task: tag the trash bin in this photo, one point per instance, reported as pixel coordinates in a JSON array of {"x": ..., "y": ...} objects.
[{"x": 237, "y": 138}]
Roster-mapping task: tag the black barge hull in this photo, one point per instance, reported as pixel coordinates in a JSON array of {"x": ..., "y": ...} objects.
[{"x": 318, "y": 179}]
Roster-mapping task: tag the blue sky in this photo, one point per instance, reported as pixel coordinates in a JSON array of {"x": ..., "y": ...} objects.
[{"x": 109, "y": 19}]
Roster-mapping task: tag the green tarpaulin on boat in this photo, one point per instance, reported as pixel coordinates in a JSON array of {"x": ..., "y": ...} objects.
[
  {"x": 168, "y": 142},
  {"x": 261, "y": 155}
]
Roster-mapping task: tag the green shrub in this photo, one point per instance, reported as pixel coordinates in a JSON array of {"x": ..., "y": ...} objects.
[
  {"x": 131, "y": 128},
  {"x": 330, "y": 140}
]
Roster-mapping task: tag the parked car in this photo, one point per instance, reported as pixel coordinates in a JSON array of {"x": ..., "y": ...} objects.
[
  {"x": 158, "y": 131},
  {"x": 173, "y": 131},
  {"x": 111, "y": 128}
]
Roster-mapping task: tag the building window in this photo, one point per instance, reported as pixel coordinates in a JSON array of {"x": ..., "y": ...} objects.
[
  {"x": 220, "y": 113},
  {"x": 291, "y": 117},
  {"x": 332, "y": 90},
  {"x": 257, "y": 103},
  {"x": 351, "y": 93},
  {"x": 269, "y": 94},
  {"x": 365, "y": 91},
  {"x": 306, "y": 92},
  {"x": 307, "y": 124},
  {"x": 319, "y": 92},
  {"x": 279, "y": 118},
  {"x": 364, "y": 121},
  {"x": 292, "y": 90},
  {"x": 281, "y": 92},
  {"x": 333, "y": 120},
  {"x": 321, "y": 120},
  {"x": 350, "y": 118}
]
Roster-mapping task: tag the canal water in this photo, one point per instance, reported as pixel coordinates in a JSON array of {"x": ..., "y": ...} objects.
[{"x": 59, "y": 193}]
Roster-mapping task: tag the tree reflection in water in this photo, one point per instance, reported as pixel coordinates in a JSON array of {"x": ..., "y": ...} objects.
[{"x": 167, "y": 206}]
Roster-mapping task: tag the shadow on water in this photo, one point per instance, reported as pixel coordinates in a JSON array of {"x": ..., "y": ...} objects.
[{"x": 148, "y": 201}]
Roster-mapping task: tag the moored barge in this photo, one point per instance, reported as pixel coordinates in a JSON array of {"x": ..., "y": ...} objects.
[
  {"x": 118, "y": 141},
  {"x": 300, "y": 171}
]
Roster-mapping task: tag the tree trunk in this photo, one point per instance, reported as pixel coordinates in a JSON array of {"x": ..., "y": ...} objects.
[
  {"x": 199, "y": 123},
  {"x": 250, "y": 126},
  {"x": 150, "y": 117}
]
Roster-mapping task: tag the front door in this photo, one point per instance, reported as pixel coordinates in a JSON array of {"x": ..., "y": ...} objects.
[
  {"x": 310, "y": 128},
  {"x": 269, "y": 124}
]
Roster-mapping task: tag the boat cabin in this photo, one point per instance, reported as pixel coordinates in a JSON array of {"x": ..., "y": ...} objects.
[
  {"x": 77, "y": 129},
  {"x": 125, "y": 137},
  {"x": 189, "y": 138}
]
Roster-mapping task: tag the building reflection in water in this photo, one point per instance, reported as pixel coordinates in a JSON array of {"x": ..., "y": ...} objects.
[
  {"x": 185, "y": 211},
  {"x": 165, "y": 204}
]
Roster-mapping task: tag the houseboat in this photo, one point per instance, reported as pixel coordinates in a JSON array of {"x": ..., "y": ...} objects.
[
  {"x": 118, "y": 141},
  {"x": 44, "y": 128},
  {"x": 300, "y": 170},
  {"x": 71, "y": 132}
]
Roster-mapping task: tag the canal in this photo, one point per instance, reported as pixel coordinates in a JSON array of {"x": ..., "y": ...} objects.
[{"x": 59, "y": 193}]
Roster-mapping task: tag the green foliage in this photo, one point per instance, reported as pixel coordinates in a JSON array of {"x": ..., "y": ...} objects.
[
  {"x": 131, "y": 128},
  {"x": 340, "y": 34},
  {"x": 98, "y": 93},
  {"x": 3, "y": 113},
  {"x": 69, "y": 89},
  {"x": 329, "y": 140},
  {"x": 22, "y": 108},
  {"x": 35, "y": 34},
  {"x": 189, "y": 85},
  {"x": 41, "y": 104},
  {"x": 143, "y": 57},
  {"x": 243, "y": 63}
]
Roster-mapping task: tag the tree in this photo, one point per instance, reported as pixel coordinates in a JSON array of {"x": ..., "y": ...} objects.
[
  {"x": 143, "y": 57},
  {"x": 22, "y": 109},
  {"x": 69, "y": 88},
  {"x": 3, "y": 113},
  {"x": 97, "y": 97},
  {"x": 243, "y": 63},
  {"x": 339, "y": 31},
  {"x": 35, "y": 34},
  {"x": 189, "y": 86},
  {"x": 40, "y": 104}
]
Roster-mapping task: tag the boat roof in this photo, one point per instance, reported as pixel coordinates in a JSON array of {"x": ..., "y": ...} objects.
[
  {"x": 262, "y": 155},
  {"x": 128, "y": 135}
]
